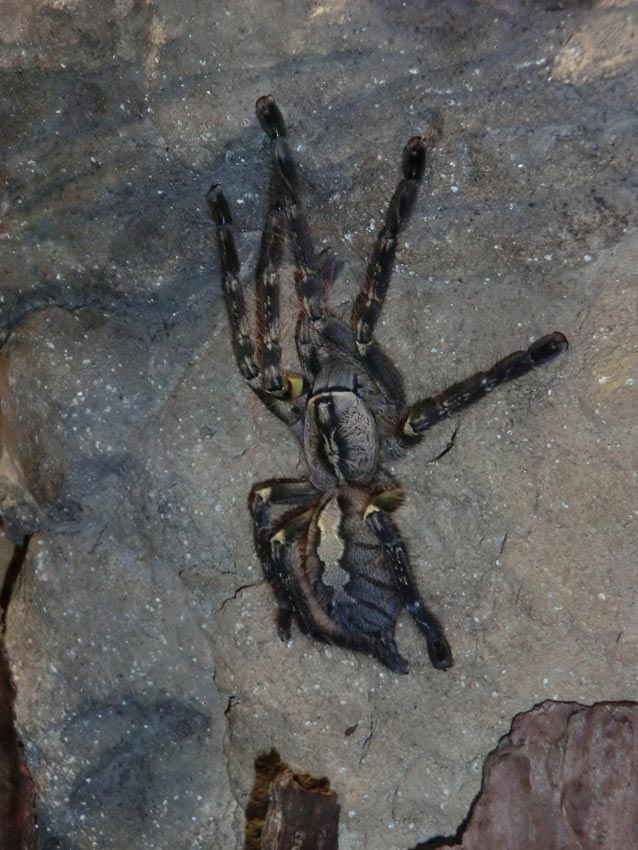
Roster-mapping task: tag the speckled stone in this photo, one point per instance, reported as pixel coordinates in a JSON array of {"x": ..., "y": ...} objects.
[{"x": 142, "y": 639}]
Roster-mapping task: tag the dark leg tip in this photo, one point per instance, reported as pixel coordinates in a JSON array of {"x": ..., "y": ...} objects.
[
  {"x": 218, "y": 205},
  {"x": 398, "y": 665},
  {"x": 413, "y": 162},
  {"x": 270, "y": 117},
  {"x": 440, "y": 654},
  {"x": 548, "y": 347},
  {"x": 389, "y": 655},
  {"x": 284, "y": 624}
]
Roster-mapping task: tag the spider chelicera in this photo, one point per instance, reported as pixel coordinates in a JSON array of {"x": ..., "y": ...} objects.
[{"x": 327, "y": 542}]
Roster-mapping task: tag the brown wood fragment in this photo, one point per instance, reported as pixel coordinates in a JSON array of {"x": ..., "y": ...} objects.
[
  {"x": 300, "y": 818},
  {"x": 289, "y": 811},
  {"x": 17, "y": 796},
  {"x": 16, "y": 789}
]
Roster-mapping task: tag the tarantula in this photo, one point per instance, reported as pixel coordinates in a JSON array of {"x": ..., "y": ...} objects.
[{"x": 327, "y": 542}]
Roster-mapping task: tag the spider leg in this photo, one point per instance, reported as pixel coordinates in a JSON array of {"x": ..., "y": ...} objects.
[
  {"x": 277, "y": 492},
  {"x": 234, "y": 298},
  {"x": 243, "y": 346},
  {"x": 389, "y": 537},
  {"x": 314, "y": 274},
  {"x": 427, "y": 412},
  {"x": 282, "y": 385},
  {"x": 369, "y": 302},
  {"x": 267, "y": 292}
]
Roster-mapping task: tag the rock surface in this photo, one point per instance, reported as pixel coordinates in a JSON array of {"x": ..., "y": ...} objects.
[
  {"x": 141, "y": 634},
  {"x": 564, "y": 778}
]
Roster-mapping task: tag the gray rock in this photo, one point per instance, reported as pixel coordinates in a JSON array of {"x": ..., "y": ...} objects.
[{"x": 130, "y": 444}]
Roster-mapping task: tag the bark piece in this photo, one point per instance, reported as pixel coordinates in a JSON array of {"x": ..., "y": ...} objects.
[
  {"x": 300, "y": 818},
  {"x": 17, "y": 795},
  {"x": 565, "y": 778}
]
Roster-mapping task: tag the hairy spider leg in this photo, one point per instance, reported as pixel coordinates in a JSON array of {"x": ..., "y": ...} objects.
[
  {"x": 241, "y": 337},
  {"x": 243, "y": 346},
  {"x": 265, "y": 495},
  {"x": 281, "y": 548},
  {"x": 389, "y": 537},
  {"x": 313, "y": 273},
  {"x": 269, "y": 262},
  {"x": 369, "y": 302},
  {"x": 427, "y": 412},
  {"x": 267, "y": 282}
]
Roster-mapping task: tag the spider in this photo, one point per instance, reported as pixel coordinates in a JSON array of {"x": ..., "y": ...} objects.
[{"x": 327, "y": 542}]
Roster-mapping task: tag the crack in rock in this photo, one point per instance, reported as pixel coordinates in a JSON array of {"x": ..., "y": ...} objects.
[{"x": 236, "y": 594}]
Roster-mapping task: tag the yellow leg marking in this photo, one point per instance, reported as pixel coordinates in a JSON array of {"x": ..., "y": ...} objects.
[
  {"x": 295, "y": 385},
  {"x": 264, "y": 493},
  {"x": 371, "y": 509},
  {"x": 386, "y": 500},
  {"x": 407, "y": 429}
]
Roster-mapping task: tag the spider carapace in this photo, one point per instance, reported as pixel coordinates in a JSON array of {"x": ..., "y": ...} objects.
[{"x": 327, "y": 542}]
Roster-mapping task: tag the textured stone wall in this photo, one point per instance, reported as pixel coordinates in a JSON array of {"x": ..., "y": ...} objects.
[{"x": 141, "y": 633}]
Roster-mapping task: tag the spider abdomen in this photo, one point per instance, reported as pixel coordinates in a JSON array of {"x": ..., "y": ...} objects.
[
  {"x": 348, "y": 567},
  {"x": 366, "y": 604}
]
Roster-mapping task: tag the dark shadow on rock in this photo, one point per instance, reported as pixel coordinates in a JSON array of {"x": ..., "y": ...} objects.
[{"x": 141, "y": 750}]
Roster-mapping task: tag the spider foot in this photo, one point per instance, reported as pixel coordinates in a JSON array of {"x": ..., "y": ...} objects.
[
  {"x": 218, "y": 205},
  {"x": 413, "y": 159},
  {"x": 548, "y": 347},
  {"x": 440, "y": 653},
  {"x": 272, "y": 122},
  {"x": 436, "y": 642},
  {"x": 284, "y": 624},
  {"x": 388, "y": 654},
  {"x": 270, "y": 117}
]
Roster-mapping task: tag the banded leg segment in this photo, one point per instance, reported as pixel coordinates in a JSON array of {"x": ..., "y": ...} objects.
[
  {"x": 280, "y": 403},
  {"x": 369, "y": 302},
  {"x": 389, "y": 537},
  {"x": 429, "y": 411},
  {"x": 243, "y": 346},
  {"x": 267, "y": 291},
  {"x": 310, "y": 272}
]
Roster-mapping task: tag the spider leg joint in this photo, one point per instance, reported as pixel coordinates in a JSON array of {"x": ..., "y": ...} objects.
[
  {"x": 370, "y": 509},
  {"x": 278, "y": 539}
]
